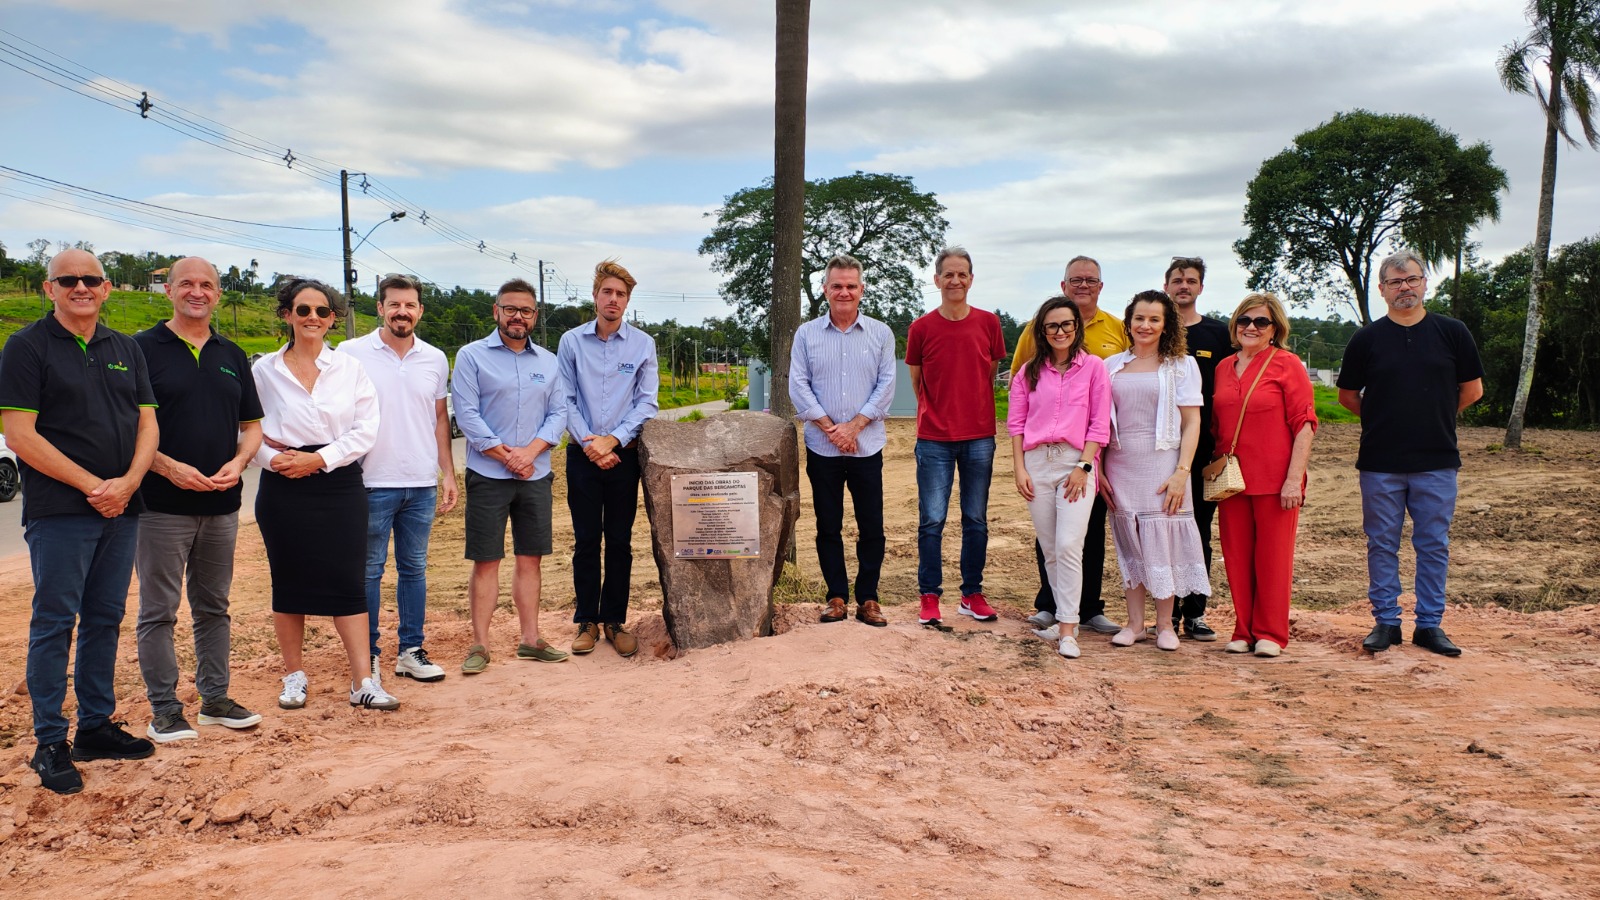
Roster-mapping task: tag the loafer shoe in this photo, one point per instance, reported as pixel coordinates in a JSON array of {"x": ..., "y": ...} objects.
[
  {"x": 1236, "y": 647},
  {"x": 836, "y": 611},
  {"x": 588, "y": 636},
  {"x": 1166, "y": 640},
  {"x": 622, "y": 639},
  {"x": 1434, "y": 639},
  {"x": 867, "y": 611},
  {"x": 1381, "y": 638},
  {"x": 1267, "y": 648},
  {"x": 477, "y": 660},
  {"x": 53, "y": 762},
  {"x": 977, "y": 606},
  {"x": 928, "y": 614},
  {"x": 1127, "y": 637},
  {"x": 1102, "y": 625},
  {"x": 1044, "y": 618},
  {"x": 541, "y": 651}
]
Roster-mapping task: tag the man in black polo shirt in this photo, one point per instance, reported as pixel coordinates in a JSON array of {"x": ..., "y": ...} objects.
[
  {"x": 75, "y": 398},
  {"x": 210, "y": 427},
  {"x": 1208, "y": 343},
  {"x": 1407, "y": 375}
]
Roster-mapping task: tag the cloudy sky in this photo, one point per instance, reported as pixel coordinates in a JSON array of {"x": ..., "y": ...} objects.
[{"x": 572, "y": 130}]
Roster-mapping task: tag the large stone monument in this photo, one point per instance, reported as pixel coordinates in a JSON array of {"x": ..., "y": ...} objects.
[{"x": 709, "y": 599}]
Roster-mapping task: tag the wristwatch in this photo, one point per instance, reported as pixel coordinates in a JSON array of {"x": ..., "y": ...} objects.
[{"x": 1086, "y": 466}]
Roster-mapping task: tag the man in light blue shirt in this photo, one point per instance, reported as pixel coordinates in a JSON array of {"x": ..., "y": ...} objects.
[
  {"x": 609, "y": 370},
  {"x": 841, "y": 379},
  {"x": 511, "y": 405}
]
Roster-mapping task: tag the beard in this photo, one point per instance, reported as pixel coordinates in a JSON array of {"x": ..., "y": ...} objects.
[
  {"x": 516, "y": 331},
  {"x": 1411, "y": 302},
  {"x": 400, "y": 328}
]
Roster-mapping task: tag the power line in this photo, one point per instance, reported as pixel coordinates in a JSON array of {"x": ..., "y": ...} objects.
[{"x": 40, "y": 179}]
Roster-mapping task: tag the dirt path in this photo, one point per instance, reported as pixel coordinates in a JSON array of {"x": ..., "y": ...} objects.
[{"x": 842, "y": 760}]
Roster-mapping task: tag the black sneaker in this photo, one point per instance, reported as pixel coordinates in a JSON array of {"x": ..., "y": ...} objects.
[
  {"x": 225, "y": 712},
  {"x": 53, "y": 762},
  {"x": 1196, "y": 629},
  {"x": 169, "y": 727},
  {"x": 109, "y": 741}
]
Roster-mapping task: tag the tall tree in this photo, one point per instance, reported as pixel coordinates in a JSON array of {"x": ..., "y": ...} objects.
[
  {"x": 1565, "y": 43},
  {"x": 1471, "y": 194},
  {"x": 789, "y": 189},
  {"x": 1348, "y": 188},
  {"x": 880, "y": 219}
]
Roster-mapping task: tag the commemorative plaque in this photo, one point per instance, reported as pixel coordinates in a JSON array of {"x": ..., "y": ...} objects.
[{"x": 716, "y": 515}]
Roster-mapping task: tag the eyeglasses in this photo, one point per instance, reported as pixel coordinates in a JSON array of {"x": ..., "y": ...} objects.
[
  {"x": 1413, "y": 282},
  {"x": 1260, "y": 322},
  {"x": 1083, "y": 281},
  {"x": 323, "y": 312},
  {"x": 1060, "y": 327},
  {"x": 517, "y": 312},
  {"x": 71, "y": 281}
]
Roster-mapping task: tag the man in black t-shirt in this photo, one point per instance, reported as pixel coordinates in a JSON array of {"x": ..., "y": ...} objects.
[
  {"x": 75, "y": 398},
  {"x": 210, "y": 420},
  {"x": 1407, "y": 375},
  {"x": 1208, "y": 342}
]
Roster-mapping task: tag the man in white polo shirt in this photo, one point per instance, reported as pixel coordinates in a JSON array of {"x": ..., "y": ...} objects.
[{"x": 402, "y": 472}]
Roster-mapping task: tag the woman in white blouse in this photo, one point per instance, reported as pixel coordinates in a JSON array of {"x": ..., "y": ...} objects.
[{"x": 321, "y": 418}]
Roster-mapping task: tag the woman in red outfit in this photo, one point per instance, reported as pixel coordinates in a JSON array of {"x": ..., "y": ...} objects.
[{"x": 1259, "y": 524}]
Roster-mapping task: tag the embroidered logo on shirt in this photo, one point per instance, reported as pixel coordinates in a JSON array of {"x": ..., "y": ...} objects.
[
  {"x": 1203, "y": 353},
  {"x": 117, "y": 367},
  {"x": 625, "y": 368},
  {"x": 536, "y": 377},
  {"x": 228, "y": 371}
]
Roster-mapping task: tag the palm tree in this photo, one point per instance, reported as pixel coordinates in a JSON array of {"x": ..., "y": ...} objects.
[
  {"x": 789, "y": 191},
  {"x": 1565, "y": 42}
]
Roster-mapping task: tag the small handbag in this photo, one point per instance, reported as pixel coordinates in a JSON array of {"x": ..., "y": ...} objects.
[{"x": 1223, "y": 477}]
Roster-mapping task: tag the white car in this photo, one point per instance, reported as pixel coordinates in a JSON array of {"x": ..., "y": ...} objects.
[{"x": 10, "y": 479}]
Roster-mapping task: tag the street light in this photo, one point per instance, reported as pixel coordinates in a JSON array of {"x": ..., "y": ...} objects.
[{"x": 349, "y": 269}]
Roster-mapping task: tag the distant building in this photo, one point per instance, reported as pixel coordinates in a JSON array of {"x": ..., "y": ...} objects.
[{"x": 158, "y": 281}]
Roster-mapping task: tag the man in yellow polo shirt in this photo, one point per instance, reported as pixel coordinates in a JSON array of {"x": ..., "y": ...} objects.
[{"x": 1103, "y": 335}]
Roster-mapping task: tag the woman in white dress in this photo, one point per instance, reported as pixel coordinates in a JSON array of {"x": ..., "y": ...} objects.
[{"x": 1155, "y": 425}]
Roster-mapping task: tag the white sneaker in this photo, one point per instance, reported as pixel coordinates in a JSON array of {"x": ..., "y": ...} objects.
[
  {"x": 294, "y": 691},
  {"x": 414, "y": 663},
  {"x": 372, "y": 696},
  {"x": 1044, "y": 618},
  {"x": 1069, "y": 647},
  {"x": 1051, "y": 634}
]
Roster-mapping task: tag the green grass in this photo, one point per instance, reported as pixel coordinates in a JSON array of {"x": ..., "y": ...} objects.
[{"x": 1328, "y": 408}]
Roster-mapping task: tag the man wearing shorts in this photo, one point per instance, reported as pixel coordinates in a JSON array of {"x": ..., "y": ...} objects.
[{"x": 510, "y": 405}]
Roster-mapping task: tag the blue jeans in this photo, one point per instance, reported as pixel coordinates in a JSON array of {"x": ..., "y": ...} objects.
[
  {"x": 1430, "y": 498},
  {"x": 408, "y": 513},
  {"x": 81, "y": 569},
  {"x": 938, "y": 462}
]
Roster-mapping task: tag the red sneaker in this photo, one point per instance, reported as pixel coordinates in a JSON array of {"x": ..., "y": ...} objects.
[
  {"x": 930, "y": 610},
  {"x": 976, "y": 606}
]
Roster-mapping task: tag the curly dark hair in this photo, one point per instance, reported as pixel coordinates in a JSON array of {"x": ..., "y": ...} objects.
[
  {"x": 1041, "y": 345},
  {"x": 1174, "y": 342}
]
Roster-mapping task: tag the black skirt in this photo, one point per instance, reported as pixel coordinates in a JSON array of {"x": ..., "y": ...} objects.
[{"x": 315, "y": 530}]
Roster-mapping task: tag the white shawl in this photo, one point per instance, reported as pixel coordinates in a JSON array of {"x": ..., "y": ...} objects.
[{"x": 1179, "y": 381}]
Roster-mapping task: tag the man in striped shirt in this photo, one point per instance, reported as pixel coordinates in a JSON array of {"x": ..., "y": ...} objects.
[{"x": 841, "y": 379}]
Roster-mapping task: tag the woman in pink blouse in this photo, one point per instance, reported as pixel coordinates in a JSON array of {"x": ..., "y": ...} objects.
[{"x": 1059, "y": 419}]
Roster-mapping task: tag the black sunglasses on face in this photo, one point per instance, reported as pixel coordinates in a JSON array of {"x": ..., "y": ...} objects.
[
  {"x": 1260, "y": 322},
  {"x": 323, "y": 312},
  {"x": 71, "y": 281}
]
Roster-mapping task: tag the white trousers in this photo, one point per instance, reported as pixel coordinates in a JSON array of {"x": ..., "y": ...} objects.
[{"x": 1059, "y": 522}]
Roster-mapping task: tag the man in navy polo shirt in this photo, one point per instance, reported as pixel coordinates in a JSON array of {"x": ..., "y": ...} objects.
[
  {"x": 76, "y": 401},
  {"x": 210, "y": 420}
]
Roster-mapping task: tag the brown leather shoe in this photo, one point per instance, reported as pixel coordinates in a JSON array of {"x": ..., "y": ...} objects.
[
  {"x": 588, "y": 634},
  {"x": 622, "y": 640},
  {"x": 836, "y": 610},
  {"x": 868, "y": 612}
]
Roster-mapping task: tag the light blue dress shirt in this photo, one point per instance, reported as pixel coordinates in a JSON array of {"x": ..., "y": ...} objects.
[
  {"x": 841, "y": 374},
  {"x": 504, "y": 396},
  {"x": 611, "y": 385}
]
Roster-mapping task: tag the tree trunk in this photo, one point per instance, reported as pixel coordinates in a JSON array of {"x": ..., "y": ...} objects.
[
  {"x": 789, "y": 192},
  {"x": 1541, "y": 259},
  {"x": 1455, "y": 286}
]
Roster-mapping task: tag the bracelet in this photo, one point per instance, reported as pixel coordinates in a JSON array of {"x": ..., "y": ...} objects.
[{"x": 1183, "y": 468}]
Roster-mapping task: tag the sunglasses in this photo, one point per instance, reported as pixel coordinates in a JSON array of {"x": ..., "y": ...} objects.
[
  {"x": 1260, "y": 322},
  {"x": 323, "y": 312},
  {"x": 71, "y": 281}
]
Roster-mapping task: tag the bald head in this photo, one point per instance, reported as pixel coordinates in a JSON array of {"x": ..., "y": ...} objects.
[
  {"x": 193, "y": 266},
  {"x": 75, "y": 262},
  {"x": 192, "y": 286}
]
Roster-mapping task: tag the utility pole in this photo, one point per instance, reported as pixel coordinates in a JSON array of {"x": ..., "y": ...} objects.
[
  {"x": 697, "y": 370},
  {"x": 349, "y": 271},
  {"x": 544, "y": 312}
]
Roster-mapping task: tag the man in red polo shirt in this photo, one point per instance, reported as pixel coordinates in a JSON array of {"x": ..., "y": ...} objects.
[{"x": 953, "y": 353}]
